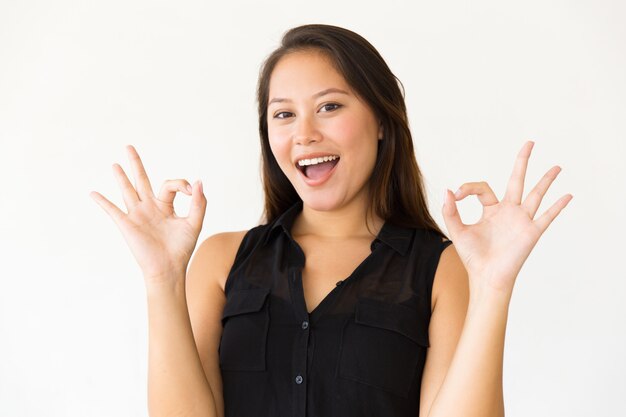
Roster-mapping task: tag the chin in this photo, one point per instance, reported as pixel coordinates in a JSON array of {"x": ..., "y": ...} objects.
[
  {"x": 320, "y": 206},
  {"x": 321, "y": 202}
]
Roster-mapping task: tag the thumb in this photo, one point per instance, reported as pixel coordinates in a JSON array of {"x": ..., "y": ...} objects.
[
  {"x": 198, "y": 205},
  {"x": 451, "y": 215}
]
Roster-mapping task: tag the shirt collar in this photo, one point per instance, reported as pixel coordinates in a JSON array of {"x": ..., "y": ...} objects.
[
  {"x": 397, "y": 237},
  {"x": 284, "y": 221}
]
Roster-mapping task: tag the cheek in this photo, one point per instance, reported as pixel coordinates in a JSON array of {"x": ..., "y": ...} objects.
[
  {"x": 355, "y": 135},
  {"x": 280, "y": 149}
]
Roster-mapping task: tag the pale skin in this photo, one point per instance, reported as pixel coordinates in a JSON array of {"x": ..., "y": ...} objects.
[{"x": 472, "y": 287}]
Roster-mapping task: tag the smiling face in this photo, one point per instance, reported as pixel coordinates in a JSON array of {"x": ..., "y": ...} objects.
[{"x": 314, "y": 114}]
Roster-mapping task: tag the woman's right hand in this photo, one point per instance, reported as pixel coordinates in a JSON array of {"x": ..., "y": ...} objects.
[{"x": 161, "y": 241}]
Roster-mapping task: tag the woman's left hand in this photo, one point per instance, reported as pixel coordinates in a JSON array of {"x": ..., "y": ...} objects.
[{"x": 494, "y": 249}]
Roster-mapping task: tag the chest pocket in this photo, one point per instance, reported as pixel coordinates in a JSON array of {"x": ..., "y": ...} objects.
[
  {"x": 384, "y": 346},
  {"x": 245, "y": 322}
]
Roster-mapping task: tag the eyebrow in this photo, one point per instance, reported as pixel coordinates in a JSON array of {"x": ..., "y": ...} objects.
[{"x": 316, "y": 95}]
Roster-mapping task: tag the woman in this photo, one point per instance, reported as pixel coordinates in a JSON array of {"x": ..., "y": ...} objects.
[{"x": 349, "y": 300}]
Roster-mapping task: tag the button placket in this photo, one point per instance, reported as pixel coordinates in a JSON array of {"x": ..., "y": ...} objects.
[{"x": 302, "y": 341}]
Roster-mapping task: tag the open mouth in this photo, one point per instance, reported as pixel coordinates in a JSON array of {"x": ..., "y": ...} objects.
[{"x": 317, "y": 168}]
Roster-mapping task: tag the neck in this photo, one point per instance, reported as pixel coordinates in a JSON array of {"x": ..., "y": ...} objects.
[{"x": 346, "y": 222}]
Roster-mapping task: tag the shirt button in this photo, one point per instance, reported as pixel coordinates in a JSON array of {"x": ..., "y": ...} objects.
[
  {"x": 305, "y": 324},
  {"x": 339, "y": 283},
  {"x": 299, "y": 379}
]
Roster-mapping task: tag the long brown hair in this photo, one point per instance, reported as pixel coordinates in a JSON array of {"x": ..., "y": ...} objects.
[{"x": 396, "y": 185}]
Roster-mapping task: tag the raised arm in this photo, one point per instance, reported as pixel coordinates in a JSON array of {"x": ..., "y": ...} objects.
[
  {"x": 162, "y": 244},
  {"x": 492, "y": 251}
]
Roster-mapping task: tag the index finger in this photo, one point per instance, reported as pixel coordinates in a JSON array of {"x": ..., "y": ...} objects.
[{"x": 142, "y": 183}]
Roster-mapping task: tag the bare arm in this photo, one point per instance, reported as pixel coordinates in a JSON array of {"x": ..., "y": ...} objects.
[
  {"x": 206, "y": 278},
  {"x": 162, "y": 243},
  {"x": 450, "y": 297},
  {"x": 177, "y": 385},
  {"x": 185, "y": 377},
  {"x": 492, "y": 251},
  {"x": 463, "y": 371},
  {"x": 473, "y": 384}
]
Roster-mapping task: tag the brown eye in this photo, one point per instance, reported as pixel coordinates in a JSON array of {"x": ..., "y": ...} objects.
[
  {"x": 281, "y": 114},
  {"x": 331, "y": 107}
]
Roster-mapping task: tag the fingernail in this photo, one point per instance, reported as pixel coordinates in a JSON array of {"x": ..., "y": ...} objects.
[
  {"x": 189, "y": 188},
  {"x": 457, "y": 192},
  {"x": 201, "y": 188}
]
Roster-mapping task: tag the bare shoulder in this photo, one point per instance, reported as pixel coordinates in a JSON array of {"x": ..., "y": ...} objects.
[
  {"x": 214, "y": 257},
  {"x": 449, "y": 276},
  {"x": 206, "y": 276},
  {"x": 450, "y": 298}
]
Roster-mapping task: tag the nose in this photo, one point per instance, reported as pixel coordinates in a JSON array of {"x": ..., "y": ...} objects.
[{"x": 305, "y": 131}]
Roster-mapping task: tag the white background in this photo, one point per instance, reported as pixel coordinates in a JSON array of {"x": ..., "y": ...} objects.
[{"x": 81, "y": 79}]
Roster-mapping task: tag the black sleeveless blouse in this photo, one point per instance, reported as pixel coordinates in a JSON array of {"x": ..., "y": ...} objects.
[{"x": 360, "y": 352}]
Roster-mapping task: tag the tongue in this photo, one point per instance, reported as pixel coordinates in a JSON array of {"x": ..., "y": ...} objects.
[{"x": 319, "y": 170}]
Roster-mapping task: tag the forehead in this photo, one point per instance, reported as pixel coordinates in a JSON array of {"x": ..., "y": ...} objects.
[{"x": 304, "y": 73}]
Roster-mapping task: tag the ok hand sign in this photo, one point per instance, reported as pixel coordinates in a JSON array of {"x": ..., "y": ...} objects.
[
  {"x": 494, "y": 249},
  {"x": 161, "y": 241}
]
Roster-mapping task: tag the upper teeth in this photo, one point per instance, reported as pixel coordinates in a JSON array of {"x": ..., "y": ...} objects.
[{"x": 319, "y": 160}]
